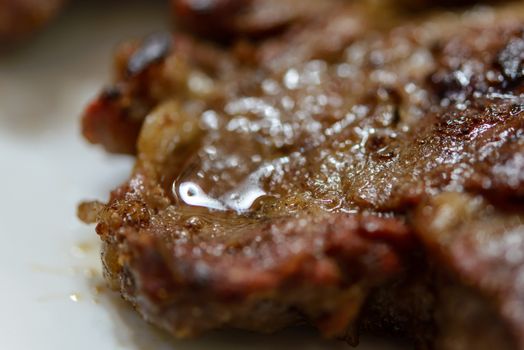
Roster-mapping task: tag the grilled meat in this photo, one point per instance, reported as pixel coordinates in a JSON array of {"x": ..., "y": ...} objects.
[{"x": 339, "y": 173}]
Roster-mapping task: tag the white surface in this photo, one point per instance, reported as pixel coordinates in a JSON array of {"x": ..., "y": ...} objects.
[{"x": 48, "y": 286}]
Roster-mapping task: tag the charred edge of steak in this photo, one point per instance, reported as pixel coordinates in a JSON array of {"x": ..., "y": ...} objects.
[{"x": 115, "y": 117}]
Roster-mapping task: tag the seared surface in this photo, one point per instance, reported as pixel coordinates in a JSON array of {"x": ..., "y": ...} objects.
[{"x": 288, "y": 180}]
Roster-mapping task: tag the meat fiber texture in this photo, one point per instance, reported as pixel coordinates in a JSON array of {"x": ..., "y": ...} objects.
[{"x": 352, "y": 169}]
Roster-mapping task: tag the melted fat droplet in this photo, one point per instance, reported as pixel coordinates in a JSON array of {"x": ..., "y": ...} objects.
[
  {"x": 192, "y": 194},
  {"x": 240, "y": 199}
]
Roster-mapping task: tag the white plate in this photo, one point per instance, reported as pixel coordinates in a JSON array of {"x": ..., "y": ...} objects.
[{"x": 51, "y": 291}]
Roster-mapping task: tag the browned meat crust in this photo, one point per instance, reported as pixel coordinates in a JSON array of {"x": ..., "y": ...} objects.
[
  {"x": 18, "y": 18},
  {"x": 271, "y": 274},
  {"x": 338, "y": 173},
  {"x": 114, "y": 118}
]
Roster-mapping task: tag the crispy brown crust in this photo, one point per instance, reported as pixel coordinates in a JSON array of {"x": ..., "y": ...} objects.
[
  {"x": 114, "y": 118},
  {"x": 321, "y": 267}
]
